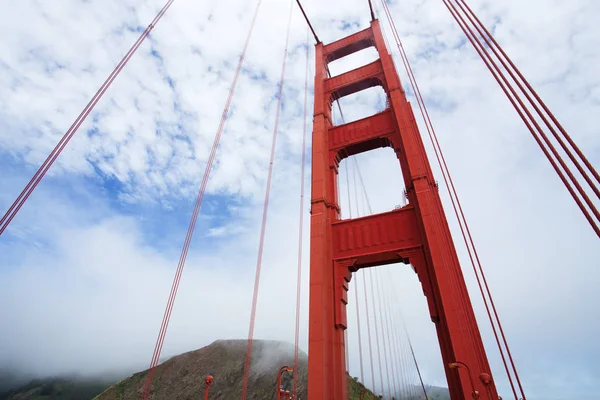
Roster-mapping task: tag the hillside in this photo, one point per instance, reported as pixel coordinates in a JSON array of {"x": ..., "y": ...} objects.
[
  {"x": 437, "y": 393},
  {"x": 56, "y": 389},
  {"x": 182, "y": 377}
]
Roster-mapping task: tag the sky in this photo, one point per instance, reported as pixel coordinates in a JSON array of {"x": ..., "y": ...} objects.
[{"x": 86, "y": 266}]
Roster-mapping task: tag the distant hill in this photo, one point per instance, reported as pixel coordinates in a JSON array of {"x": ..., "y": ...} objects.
[
  {"x": 182, "y": 378},
  {"x": 56, "y": 389},
  {"x": 437, "y": 393}
]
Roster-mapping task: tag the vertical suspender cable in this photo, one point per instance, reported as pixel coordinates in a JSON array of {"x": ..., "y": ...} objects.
[
  {"x": 364, "y": 275},
  {"x": 383, "y": 336},
  {"x": 188, "y": 238},
  {"x": 412, "y": 351},
  {"x": 301, "y": 224},
  {"x": 354, "y": 274},
  {"x": 396, "y": 353},
  {"x": 264, "y": 218},
  {"x": 376, "y": 330},
  {"x": 385, "y": 317},
  {"x": 41, "y": 172},
  {"x": 370, "y": 210},
  {"x": 364, "y": 280}
]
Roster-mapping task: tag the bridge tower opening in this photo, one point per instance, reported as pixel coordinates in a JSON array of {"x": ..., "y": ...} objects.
[{"x": 416, "y": 233}]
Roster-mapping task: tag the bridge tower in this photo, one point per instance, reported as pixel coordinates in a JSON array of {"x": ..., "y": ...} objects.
[{"x": 417, "y": 233}]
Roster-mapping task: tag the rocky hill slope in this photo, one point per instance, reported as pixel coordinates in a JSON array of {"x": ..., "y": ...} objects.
[{"x": 182, "y": 377}]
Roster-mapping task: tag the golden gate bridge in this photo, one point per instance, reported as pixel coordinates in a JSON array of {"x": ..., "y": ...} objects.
[{"x": 416, "y": 233}]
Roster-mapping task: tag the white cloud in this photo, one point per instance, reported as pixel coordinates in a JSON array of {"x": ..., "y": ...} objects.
[{"x": 87, "y": 283}]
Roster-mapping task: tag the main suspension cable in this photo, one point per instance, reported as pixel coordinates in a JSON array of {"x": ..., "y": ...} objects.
[
  {"x": 371, "y": 9},
  {"x": 43, "y": 169},
  {"x": 308, "y": 22},
  {"x": 190, "y": 231},
  {"x": 534, "y": 128},
  {"x": 495, "y": 47},
  {"x": 301, "y": 223},
  {"x": 265, "y": 212}
]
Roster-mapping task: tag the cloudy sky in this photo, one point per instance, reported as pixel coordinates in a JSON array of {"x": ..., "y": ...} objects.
[{"x": 86, "y": 267}]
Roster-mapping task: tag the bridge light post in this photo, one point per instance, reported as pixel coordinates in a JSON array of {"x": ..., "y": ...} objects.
[
  {"x": 458, "y": 364},
  {"x": 208, "y": 381},
  {"x": 280, "y": 390}
]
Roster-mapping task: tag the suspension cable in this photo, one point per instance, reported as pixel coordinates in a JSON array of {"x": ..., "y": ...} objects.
[
  {"x": 364, "y": 280},
  {"x": 457, "y": 206},
  {"x": 385, "y": 317},
  {"x": 43, "y": 169},
  {"x": 508, "y": 350},
  {"x": 308, "y": 22},
  {"x": 382, "y": 326},
  {"x": 442, "y": 162},
  {"x": 498, "y": 75},
  {"x": 448, "y": 180},
  {"x": 367, "y": 308},
  {"x": 406, "y": 332},
  {"x": 495, "y": 47},
  {"x": 396, "y": 352},
  {"x": 189, "y": 234},
  {"x": 376, "y": 330},
  {"x": 412, "y": 351},
  {"x": 301, "y": 223},
  {"x": 403, "y": 357},
  {"x": 371, "y": 9},
  {"x": 529, "y": 120},
  {"x": 265, "y": 212}
]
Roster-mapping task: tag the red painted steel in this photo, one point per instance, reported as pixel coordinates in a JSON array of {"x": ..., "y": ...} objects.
[
  {"x": 283, "y": 394},
  {"x": 417, "y": 233},
  {"x": 208, "y": 381}
]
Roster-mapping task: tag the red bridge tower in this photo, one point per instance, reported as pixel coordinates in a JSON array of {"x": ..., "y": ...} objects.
[{"x": 417, "y": 233}]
